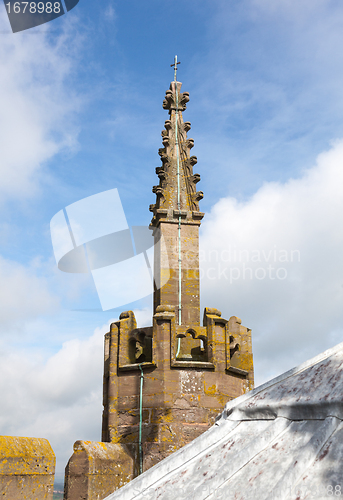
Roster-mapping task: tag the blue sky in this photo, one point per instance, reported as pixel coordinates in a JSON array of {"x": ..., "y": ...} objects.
[{"x": 81, "y": 101}]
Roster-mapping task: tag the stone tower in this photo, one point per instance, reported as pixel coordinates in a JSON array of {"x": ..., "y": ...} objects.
[{"x": 165, "y": 384}]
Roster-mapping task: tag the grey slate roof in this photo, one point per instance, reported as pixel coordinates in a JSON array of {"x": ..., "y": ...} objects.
[{"x": 283, "y": 440}]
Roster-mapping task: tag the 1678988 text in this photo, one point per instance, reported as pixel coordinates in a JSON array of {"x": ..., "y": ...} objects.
[{"x": 34, "y": 8}]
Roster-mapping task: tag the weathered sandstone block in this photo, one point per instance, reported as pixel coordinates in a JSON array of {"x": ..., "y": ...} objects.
[
  {"x": 95, "y": 470},
  {"x": 27, "y": 468}
]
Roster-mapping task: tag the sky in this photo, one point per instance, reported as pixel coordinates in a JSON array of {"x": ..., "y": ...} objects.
[{"x": 81, "y": 113}]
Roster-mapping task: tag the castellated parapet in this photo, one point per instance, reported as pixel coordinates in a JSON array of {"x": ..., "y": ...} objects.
[
  {"x": 182, "y": 395},
  {"x": 165, "y": 384}
]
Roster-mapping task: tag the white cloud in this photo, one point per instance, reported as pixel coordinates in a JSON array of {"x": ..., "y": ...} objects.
[
  {"x": 23, "y": 295},
  {"x": 143, "y": 316},
  {"x": 58, "y": 398},
  {"x": 250, "y": 244},
  {"x": 35, "y": 121},
  {"x": 110, "y": 13}
]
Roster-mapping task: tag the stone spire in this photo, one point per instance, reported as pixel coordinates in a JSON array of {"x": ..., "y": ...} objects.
[
  {"x": 176, "y": 193},
  {"x": 176, "y": 218}
]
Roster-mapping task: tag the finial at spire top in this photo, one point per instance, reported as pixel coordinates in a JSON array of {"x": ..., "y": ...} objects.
[{"x": 175, "y": 67}]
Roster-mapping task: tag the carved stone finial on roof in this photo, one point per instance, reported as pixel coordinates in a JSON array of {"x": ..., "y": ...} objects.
[
  {"x": 190, "y": 143},
  {"x": 177, "y": 183},
  {"x": 160, "y": 172},
  {"x": 164, "y": 157},
  {"x": 195, "y": 178},
  {"x": 163, "y": 154},
  {"x": 158, "y": 190},
  {"x": 195, "y": 200},
  {"x": 187, "y": 126},
  {"x": 169, "y": 101},
  {"x": 192, "y": 181},
  {"x": 184, "y": 99},
  {"x": 188, "y": 165},
  {"x": 193, "y": 160}
]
